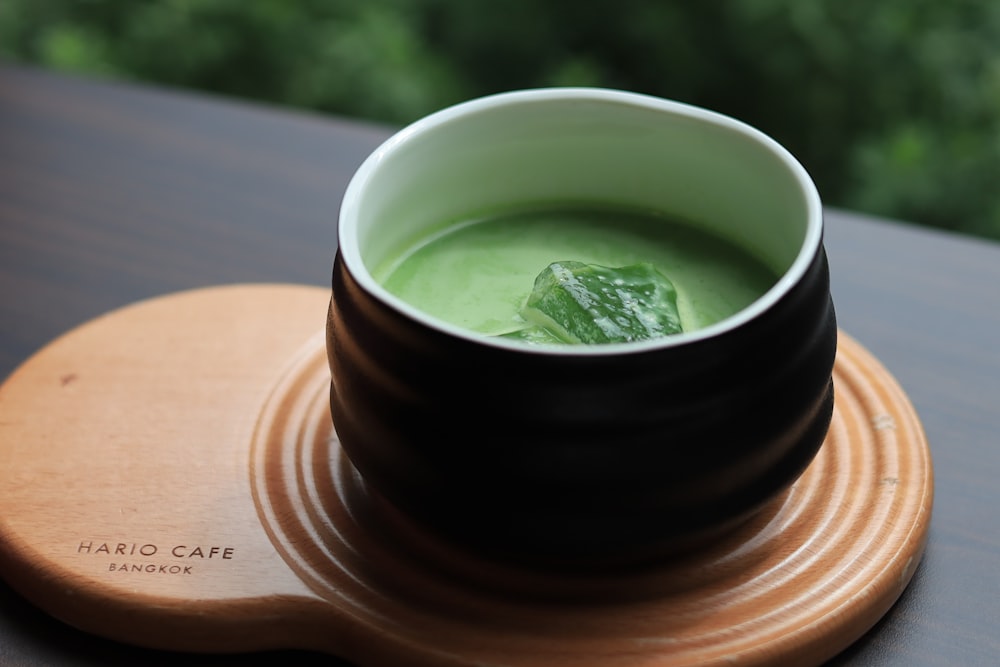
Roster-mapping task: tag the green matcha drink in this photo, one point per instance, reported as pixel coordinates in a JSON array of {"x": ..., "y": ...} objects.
[{"x": 480, "y": 274}]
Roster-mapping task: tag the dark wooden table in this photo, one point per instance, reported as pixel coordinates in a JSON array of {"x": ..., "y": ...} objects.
[{"x": 113, "y": 193}]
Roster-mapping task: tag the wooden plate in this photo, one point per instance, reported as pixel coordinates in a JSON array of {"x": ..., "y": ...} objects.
[{"x": 171, "y": 478}]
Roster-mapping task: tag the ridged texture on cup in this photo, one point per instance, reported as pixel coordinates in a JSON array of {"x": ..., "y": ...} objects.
[{"x": 581, "y": 459}]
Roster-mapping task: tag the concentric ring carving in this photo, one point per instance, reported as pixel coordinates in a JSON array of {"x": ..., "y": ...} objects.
[{"x": 796, "y": 584}]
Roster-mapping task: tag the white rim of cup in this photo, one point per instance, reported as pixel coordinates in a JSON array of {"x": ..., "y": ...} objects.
[{"x": 350, "y": 251}]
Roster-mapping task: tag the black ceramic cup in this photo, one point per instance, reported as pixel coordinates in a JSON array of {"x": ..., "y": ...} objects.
[{"x": 581, "y": 455}]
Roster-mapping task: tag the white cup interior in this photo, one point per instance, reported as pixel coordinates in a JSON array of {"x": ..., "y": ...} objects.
[{"x": 579, "y": 146}]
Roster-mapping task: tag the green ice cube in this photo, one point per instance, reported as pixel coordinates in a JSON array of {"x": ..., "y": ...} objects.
[{"x": 587, "y": 303}]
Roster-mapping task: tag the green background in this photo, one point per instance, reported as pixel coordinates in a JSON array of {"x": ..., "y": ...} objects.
[{"x": 893, "y": 105}]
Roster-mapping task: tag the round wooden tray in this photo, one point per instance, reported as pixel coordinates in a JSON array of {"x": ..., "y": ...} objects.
[{"x": 171, "y": 478}]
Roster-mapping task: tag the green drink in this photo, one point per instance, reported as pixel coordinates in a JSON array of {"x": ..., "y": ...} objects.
[{"x": 478, "y": 274}]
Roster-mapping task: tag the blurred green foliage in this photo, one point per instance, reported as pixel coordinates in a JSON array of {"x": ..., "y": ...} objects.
[{"x": 893, "y": 106}]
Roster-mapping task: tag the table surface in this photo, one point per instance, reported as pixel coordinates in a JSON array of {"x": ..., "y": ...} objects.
[{"x": 113, "y": 193}]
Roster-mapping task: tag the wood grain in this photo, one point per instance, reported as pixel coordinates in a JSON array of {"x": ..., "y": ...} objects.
[
  {"x": 173, "y": 480},
  {"x": 126, "y": 502},
  {"x": 112, "y": 193}
]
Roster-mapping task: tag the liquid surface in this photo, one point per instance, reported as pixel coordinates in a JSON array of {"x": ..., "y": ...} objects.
[{"x": 478, "y": 274}]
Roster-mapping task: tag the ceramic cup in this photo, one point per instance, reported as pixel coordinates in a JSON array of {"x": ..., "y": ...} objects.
[{"x": 581, "y": 454}]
